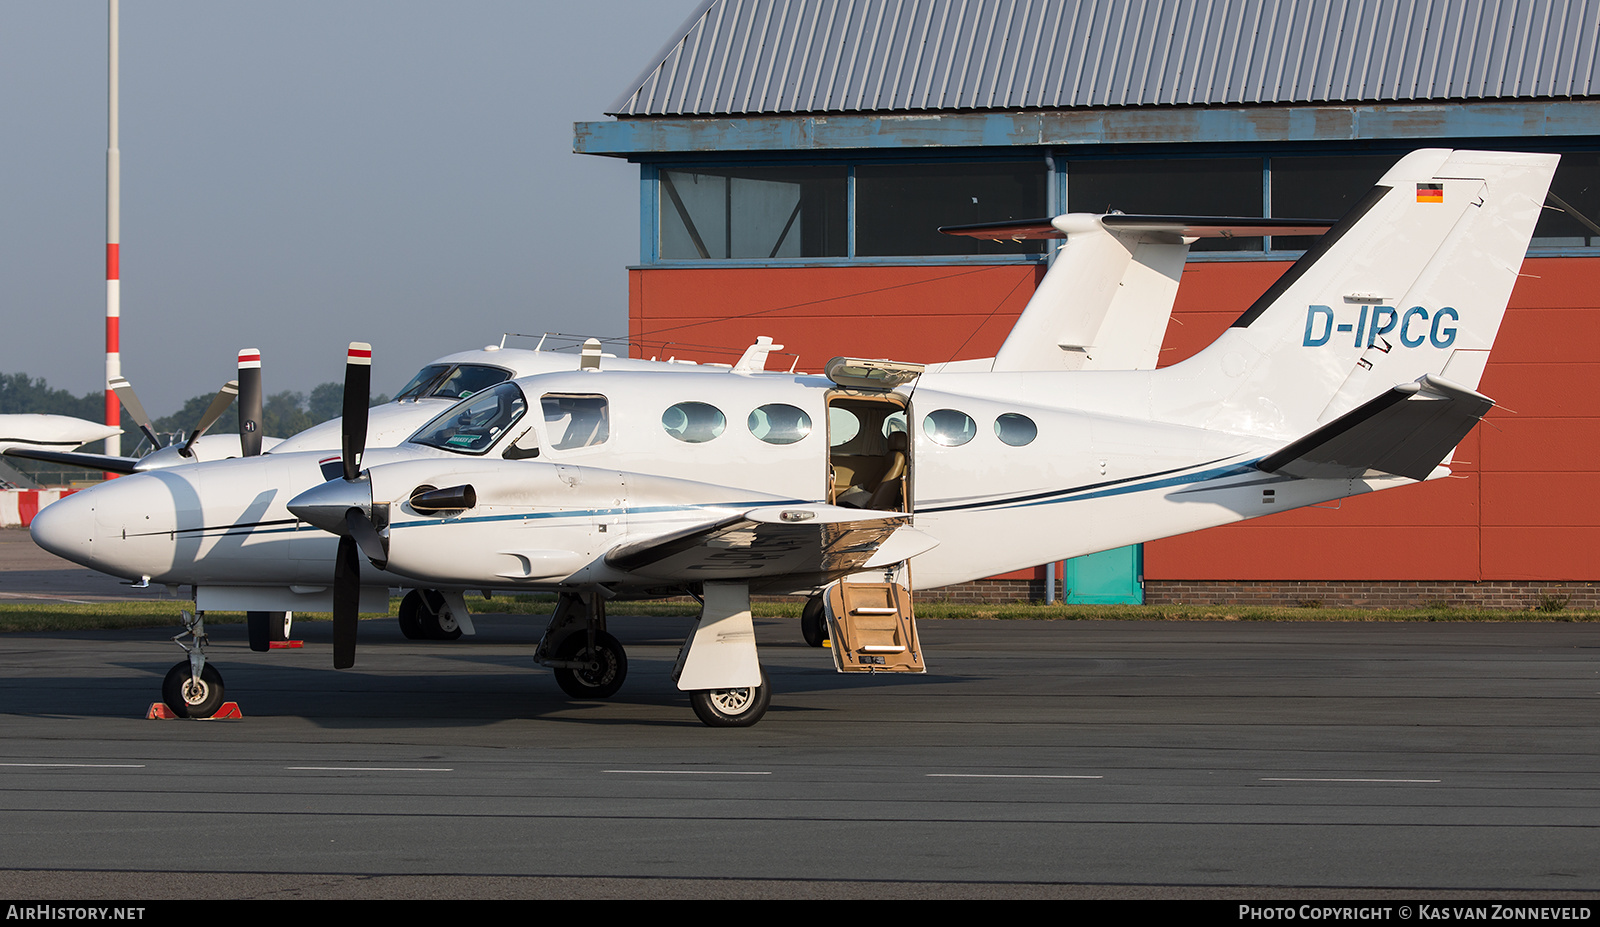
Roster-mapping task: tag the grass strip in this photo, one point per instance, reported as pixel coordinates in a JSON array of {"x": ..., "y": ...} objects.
[{"x": 164, "y": 613}]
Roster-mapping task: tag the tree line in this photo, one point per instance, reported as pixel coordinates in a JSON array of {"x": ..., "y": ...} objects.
[{"x": 282, "y": 414}]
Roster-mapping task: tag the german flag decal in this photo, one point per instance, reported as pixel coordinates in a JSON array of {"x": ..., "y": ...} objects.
[{"x": 1430, "y": 192}]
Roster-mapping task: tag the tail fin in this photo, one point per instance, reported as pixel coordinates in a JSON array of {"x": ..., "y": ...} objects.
[
  {"x": 1107, "y": 298},
  {"x": 1413, "y": 282}
]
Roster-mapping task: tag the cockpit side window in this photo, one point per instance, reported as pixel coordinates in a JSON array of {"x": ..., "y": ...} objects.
[
  {"x": 576, "y": 420},
  {"x": 473, "y": 425}
]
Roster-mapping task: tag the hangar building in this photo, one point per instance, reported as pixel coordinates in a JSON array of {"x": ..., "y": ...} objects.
[{"x": 796, "y": 157}]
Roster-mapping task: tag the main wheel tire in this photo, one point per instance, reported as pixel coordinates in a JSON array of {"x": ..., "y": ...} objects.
[
  {"x": 732, "y": 707},
  {"x": 813, "y": 623},
  {"x": 190, "y": 698},
  {"x": 598, "y": 683},
  {"x": 259, "y": 624},
  {"x": 424, "y": 616},
  {"x": 411, "y": 616}
]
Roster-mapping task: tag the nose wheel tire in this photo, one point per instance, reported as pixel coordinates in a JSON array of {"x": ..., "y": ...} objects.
[
  {"x": 189, "y": 697},
  {"x": 740, "y": 707},
  {"x": 600, "y": 682}
]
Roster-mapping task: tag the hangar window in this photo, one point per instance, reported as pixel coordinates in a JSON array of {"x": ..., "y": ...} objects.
[
  {"x": 1321, "y": 188},
  {"x": 753, "y": 212},
  {"x": 899, "y": 207},
  {"x": 1577, "y": 183},
  {"x": 1172, "y": 187},
  {"x": 693, "y": 422}
]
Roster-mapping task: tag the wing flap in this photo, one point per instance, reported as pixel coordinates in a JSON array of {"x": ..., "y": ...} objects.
[
  {"x": 803, "y": 540},
  {"x": 1406, "y": 431}
]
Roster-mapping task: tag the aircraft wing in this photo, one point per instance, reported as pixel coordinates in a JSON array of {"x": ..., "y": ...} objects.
[
  {"x": 1407, "y": 431},
  {"x": 814, "y": 543},
  {"x": 74, "y": 459}
]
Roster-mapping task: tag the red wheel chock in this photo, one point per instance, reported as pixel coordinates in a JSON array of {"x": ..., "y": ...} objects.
[{"x": 160, "y": 712}]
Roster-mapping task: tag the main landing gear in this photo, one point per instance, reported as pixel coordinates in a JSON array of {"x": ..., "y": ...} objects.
[
  {"x": 425, "y": 616},
  {"x": 193, "y": 688},
  {"x": 717, "y": 666},
  {"x": 587, "y": 661}
]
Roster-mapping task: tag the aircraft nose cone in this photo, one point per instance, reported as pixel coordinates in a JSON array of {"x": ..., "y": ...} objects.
[
  {"x": 325, "y": 506},
  {"x": 66, "y": 528}
]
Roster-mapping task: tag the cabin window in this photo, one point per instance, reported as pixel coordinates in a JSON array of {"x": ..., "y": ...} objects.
[
  {"x": 949, "y": 427},
  {"x": 1015, "y": 429},
  {"x": 575, "y": 420},
  {"x": 693, "y": 422},
  {"x": 778, "y": 423},
  {"x": 473, "y": 425}
]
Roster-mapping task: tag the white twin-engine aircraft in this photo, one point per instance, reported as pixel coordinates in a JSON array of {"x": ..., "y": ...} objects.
[{"x": 1357, "y": 371}]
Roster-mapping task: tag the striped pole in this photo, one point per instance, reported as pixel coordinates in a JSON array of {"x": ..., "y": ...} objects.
[{"x": 113, "y": 244}]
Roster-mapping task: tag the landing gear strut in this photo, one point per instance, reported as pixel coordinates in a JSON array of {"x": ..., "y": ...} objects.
[
  {"x": 587, "y": 661},
  {"x": 193, "y": 688}
]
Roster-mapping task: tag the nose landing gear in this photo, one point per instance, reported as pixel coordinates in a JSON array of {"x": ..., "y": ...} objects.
[{"x": 193, "y": 688}]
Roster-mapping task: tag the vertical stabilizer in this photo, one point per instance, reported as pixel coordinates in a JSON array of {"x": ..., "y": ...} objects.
[
  {"x": 1413, "y": 282},
  {"x": 1104, "y": 304}
]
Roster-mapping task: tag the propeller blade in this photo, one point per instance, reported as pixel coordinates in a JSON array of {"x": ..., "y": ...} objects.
[
  {"x": 346, "y": 602},
  {"x": 357, "y": 392},
  {"x": 219, "y": 405},
  {"x": 451, "y": 498},
  {"x": 367, "y": 537},
  {"x": 130, "y": 402},
  {"x": 250, "y": 402}
]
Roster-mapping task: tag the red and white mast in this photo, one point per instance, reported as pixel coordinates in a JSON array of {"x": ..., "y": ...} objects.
[{"x": 113, "y": 241}]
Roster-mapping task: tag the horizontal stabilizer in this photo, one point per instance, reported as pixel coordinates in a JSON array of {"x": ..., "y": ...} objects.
[
  {"x": 1407, "y": 431},
  {"x": 1184, "y": 226},
  {"x": 73, "y": 459},
  {"x": 792, "y": 540}
]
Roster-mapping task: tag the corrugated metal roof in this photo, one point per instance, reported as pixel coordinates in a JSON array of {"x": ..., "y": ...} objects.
[{"x": 816, "y": 56}]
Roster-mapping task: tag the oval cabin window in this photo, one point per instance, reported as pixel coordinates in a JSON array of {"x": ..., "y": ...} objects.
[
  {"x": 693, "y": 422},
  {"x": 1015, "y": 429},
  {"x": 779, "y": 423},
  {"x": 949, "y": 427}
]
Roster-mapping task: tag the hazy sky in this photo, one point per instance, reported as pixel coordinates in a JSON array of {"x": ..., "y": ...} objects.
[{"x": 299, "y": 174}]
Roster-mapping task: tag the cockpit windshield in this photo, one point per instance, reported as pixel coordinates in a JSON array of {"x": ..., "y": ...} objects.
[
  {"x": 473, "y": 425},
  {"x": 452, "y": 381}
]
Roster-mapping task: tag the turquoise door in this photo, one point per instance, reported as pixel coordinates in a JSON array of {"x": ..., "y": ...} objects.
[{"x": 1111, "y": 577}]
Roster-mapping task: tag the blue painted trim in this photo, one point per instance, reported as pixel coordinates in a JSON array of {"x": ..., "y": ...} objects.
[
  {"x": 1079, "y": 128},
  {"x": 649, "y": 213}
]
